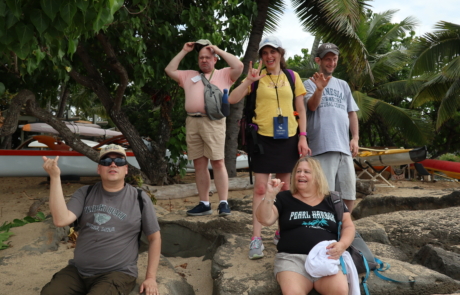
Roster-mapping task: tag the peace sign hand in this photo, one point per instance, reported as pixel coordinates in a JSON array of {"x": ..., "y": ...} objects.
[{"x": 254, "y": 74}]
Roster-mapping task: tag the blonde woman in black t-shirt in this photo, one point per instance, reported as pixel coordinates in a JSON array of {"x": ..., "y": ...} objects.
[{"x": 306, "y": 217}]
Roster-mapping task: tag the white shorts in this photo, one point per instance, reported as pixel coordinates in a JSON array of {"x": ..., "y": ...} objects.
[{"x": 340, "y": 173}]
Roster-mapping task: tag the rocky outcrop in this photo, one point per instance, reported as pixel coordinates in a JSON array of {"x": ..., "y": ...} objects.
[
  {"x": 439, "y": 260},
  {"x": 379, "y": 204}
]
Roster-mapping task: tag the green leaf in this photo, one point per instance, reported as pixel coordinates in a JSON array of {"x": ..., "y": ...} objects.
[
  {"x": 21, "y": 51},
  {"x": 40, "y": 215},
  {"x": 11, "y": 20},
  {"x": 15, "y": 7},
  {"x": 72, "y": 47},
  {"x": 82, "y": 5},
  {"x": 51, "y": 7},
  {"x": 40, "y": 20},
  {"x": 24, "y": 32},
  {"x": 18, "y": 222},
  {"x": 2, "y": 88},
  {"x": 29, "y": 219},
  {"x": 68, "y": 11},
  {"x": 2, "y": 9},
  {"x": 115, "y": 5}
]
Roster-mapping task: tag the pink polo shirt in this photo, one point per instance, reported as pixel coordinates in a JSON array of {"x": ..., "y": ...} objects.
[{"x": 194, "y": 91}]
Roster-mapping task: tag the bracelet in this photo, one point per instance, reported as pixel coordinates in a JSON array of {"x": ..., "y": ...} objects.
[
  {"x": 269, "y": 200},
  {"x": 303, "y": 133}
]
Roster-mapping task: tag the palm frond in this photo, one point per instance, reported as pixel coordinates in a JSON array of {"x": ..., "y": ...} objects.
[
  {"x": 408, "y": 122},
  {"x": 401, "y": 88},
  {"x": 387, "y": 64},
  {"x": 452, "y": 70},
  {"x": 365, "y": 104},
  {"x": 275, "y": 12},
  {"x": 449, "y": 105}
]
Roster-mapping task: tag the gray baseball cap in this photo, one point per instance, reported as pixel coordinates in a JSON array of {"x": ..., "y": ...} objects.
[{"x": 325, "y": 48}]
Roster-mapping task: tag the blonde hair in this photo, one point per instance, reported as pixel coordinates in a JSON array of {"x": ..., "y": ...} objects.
[{"x": 319, "y": 180}]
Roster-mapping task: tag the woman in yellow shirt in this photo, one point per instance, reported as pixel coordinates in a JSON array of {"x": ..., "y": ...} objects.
[{"x": 276, "y": 126}]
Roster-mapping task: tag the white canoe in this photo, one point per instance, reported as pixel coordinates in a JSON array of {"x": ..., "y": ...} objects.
[
  {"x": 27, "y": 163},
  {"x": 77, "y": 129}
]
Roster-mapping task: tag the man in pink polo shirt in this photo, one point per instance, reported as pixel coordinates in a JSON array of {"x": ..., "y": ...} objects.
[{"x": 205, "y": 137}]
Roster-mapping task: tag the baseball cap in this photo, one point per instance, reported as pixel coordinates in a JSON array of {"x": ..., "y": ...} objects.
[
  {"x": 201, "y": 43},
  {"x": 325, "y": 48},
  {"x": 270, "y": 41},
  {"x": 112, "y": 148}
]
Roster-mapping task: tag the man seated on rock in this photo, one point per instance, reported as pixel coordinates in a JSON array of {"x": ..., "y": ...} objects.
[{"x": 110, "y": 218}]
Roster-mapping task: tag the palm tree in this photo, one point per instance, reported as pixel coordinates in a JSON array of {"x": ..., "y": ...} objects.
[
  {"x": 336, "y": 19},
  {"x": 382, "y": 95},
  {"x": 438, "y": 63}
]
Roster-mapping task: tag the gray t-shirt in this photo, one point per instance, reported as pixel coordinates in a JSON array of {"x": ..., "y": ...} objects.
[
  {"x": 110, "y": 224},
  {"x": 328, "y": 126}
]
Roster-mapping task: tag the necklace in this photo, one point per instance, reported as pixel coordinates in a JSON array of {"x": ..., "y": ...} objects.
[{"x": 277, "y": 99}]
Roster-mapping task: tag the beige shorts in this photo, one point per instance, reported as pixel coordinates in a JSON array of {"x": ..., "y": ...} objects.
[{"x": 205, "y": 138}]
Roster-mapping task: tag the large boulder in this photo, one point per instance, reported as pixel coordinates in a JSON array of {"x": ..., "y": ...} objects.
[
  {"x": 379, "y": 204},
  {"x": 439, "y": 260}
]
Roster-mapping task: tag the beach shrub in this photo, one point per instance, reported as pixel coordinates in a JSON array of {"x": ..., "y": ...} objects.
[
  {"x": 450, "y": 157},
  {"x": 5, "y": 228}
]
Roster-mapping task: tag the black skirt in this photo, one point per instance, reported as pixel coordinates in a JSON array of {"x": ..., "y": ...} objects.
[{"x": 273, "y": 155}]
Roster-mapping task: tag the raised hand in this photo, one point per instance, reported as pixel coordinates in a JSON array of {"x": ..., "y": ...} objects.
[
  {"x": 320, "y": 81},
  {"x": 274, "y": 186},
  {"x": 188, "y": 46},
  {"x": 51, "y": 166},
  {"x": 254, "y": 74}
]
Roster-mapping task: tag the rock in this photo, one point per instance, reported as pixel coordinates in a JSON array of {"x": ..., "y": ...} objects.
[
  {"x": 440, "y": 260},
  {"x": 381, "y": 250},
  {"x": 371, "y": 231},
  {"x": 365, "y": 187},
  {"x": 411, "y": 230},
  {"x": 378, "y": 204},
  {"x": 169, "y": 281},
  {"x": 426, "y": 281}
]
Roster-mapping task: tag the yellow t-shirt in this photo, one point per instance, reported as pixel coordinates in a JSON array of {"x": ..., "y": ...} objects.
[{"x": 267, "y": 104}]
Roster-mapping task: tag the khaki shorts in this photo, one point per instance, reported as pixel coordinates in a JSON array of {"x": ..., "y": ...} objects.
[
  {"x": 292, "y": 262},
  {"x": 205, "y": 138}
]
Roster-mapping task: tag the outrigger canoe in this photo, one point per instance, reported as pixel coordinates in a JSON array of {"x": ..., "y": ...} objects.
[{"x": 390, "y": 157}]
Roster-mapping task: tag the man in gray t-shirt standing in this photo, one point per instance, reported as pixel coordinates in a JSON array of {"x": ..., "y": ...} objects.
[
  {"x": 331, "y": 115},
  {"x": 111, "y": 216}
]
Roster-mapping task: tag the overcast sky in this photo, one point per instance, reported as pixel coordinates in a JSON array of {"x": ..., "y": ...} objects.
[{"x": 427, "y": 12}]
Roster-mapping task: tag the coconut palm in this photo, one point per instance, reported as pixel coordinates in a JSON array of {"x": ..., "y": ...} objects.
[{"x": 438, "y": 63}]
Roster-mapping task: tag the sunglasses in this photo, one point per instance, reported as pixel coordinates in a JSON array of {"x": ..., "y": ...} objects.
[{"x": 109, "y": 161}]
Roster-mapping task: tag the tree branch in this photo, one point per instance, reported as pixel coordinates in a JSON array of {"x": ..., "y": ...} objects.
[{"x": 118, "y": 68}]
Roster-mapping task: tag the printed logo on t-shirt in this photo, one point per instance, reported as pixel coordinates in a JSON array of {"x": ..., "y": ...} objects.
[
  {"x": 333, "y": 98},
  {"x": 313, "y": 219},
  {"x": 102, "y": 218}
]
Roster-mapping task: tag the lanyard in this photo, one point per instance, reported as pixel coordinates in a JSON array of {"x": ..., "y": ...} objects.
[{"x": 280, "y": 118}]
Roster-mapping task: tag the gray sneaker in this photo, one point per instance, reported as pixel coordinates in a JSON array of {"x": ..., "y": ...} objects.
[{"x": 256, "y": 248}]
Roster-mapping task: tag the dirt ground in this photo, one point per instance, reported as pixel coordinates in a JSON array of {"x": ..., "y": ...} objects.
[{"x": 18, "y": 194}]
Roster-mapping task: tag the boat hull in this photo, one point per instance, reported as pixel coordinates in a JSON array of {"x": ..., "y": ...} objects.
[
  {"x": 28, "y": 163},
  {"x": 394, "y": 157}
]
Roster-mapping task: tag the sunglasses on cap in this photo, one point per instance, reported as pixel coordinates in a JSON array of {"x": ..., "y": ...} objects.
[{"x": 108, "y": 161}]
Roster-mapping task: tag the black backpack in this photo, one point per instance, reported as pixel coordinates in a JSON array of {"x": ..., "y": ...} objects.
[
  {"x": 362, "y": 256},
  {"x": 247, "y": 129}
]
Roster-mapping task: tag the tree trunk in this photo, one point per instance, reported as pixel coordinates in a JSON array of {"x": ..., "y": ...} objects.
[
  {"x": 236, "y": 110},
  {"x": 63, "y": 100},
  {"x": 153, "y": 165}
]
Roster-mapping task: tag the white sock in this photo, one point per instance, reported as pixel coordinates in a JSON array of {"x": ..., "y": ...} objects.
[
  {"x": 206, "y": 203},
  {"x": 224, "y": 201}
]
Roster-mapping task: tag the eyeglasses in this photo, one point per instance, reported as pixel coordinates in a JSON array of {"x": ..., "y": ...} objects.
[{"x": 108, "y": 161}]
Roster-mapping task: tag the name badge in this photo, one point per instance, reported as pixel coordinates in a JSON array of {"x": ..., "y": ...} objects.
[
  {"x": 196, "y": 79},
  {"x": 280, "y": 126}
]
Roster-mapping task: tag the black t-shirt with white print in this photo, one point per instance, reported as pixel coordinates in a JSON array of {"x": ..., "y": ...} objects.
[{"x": 303, "y": 226}]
